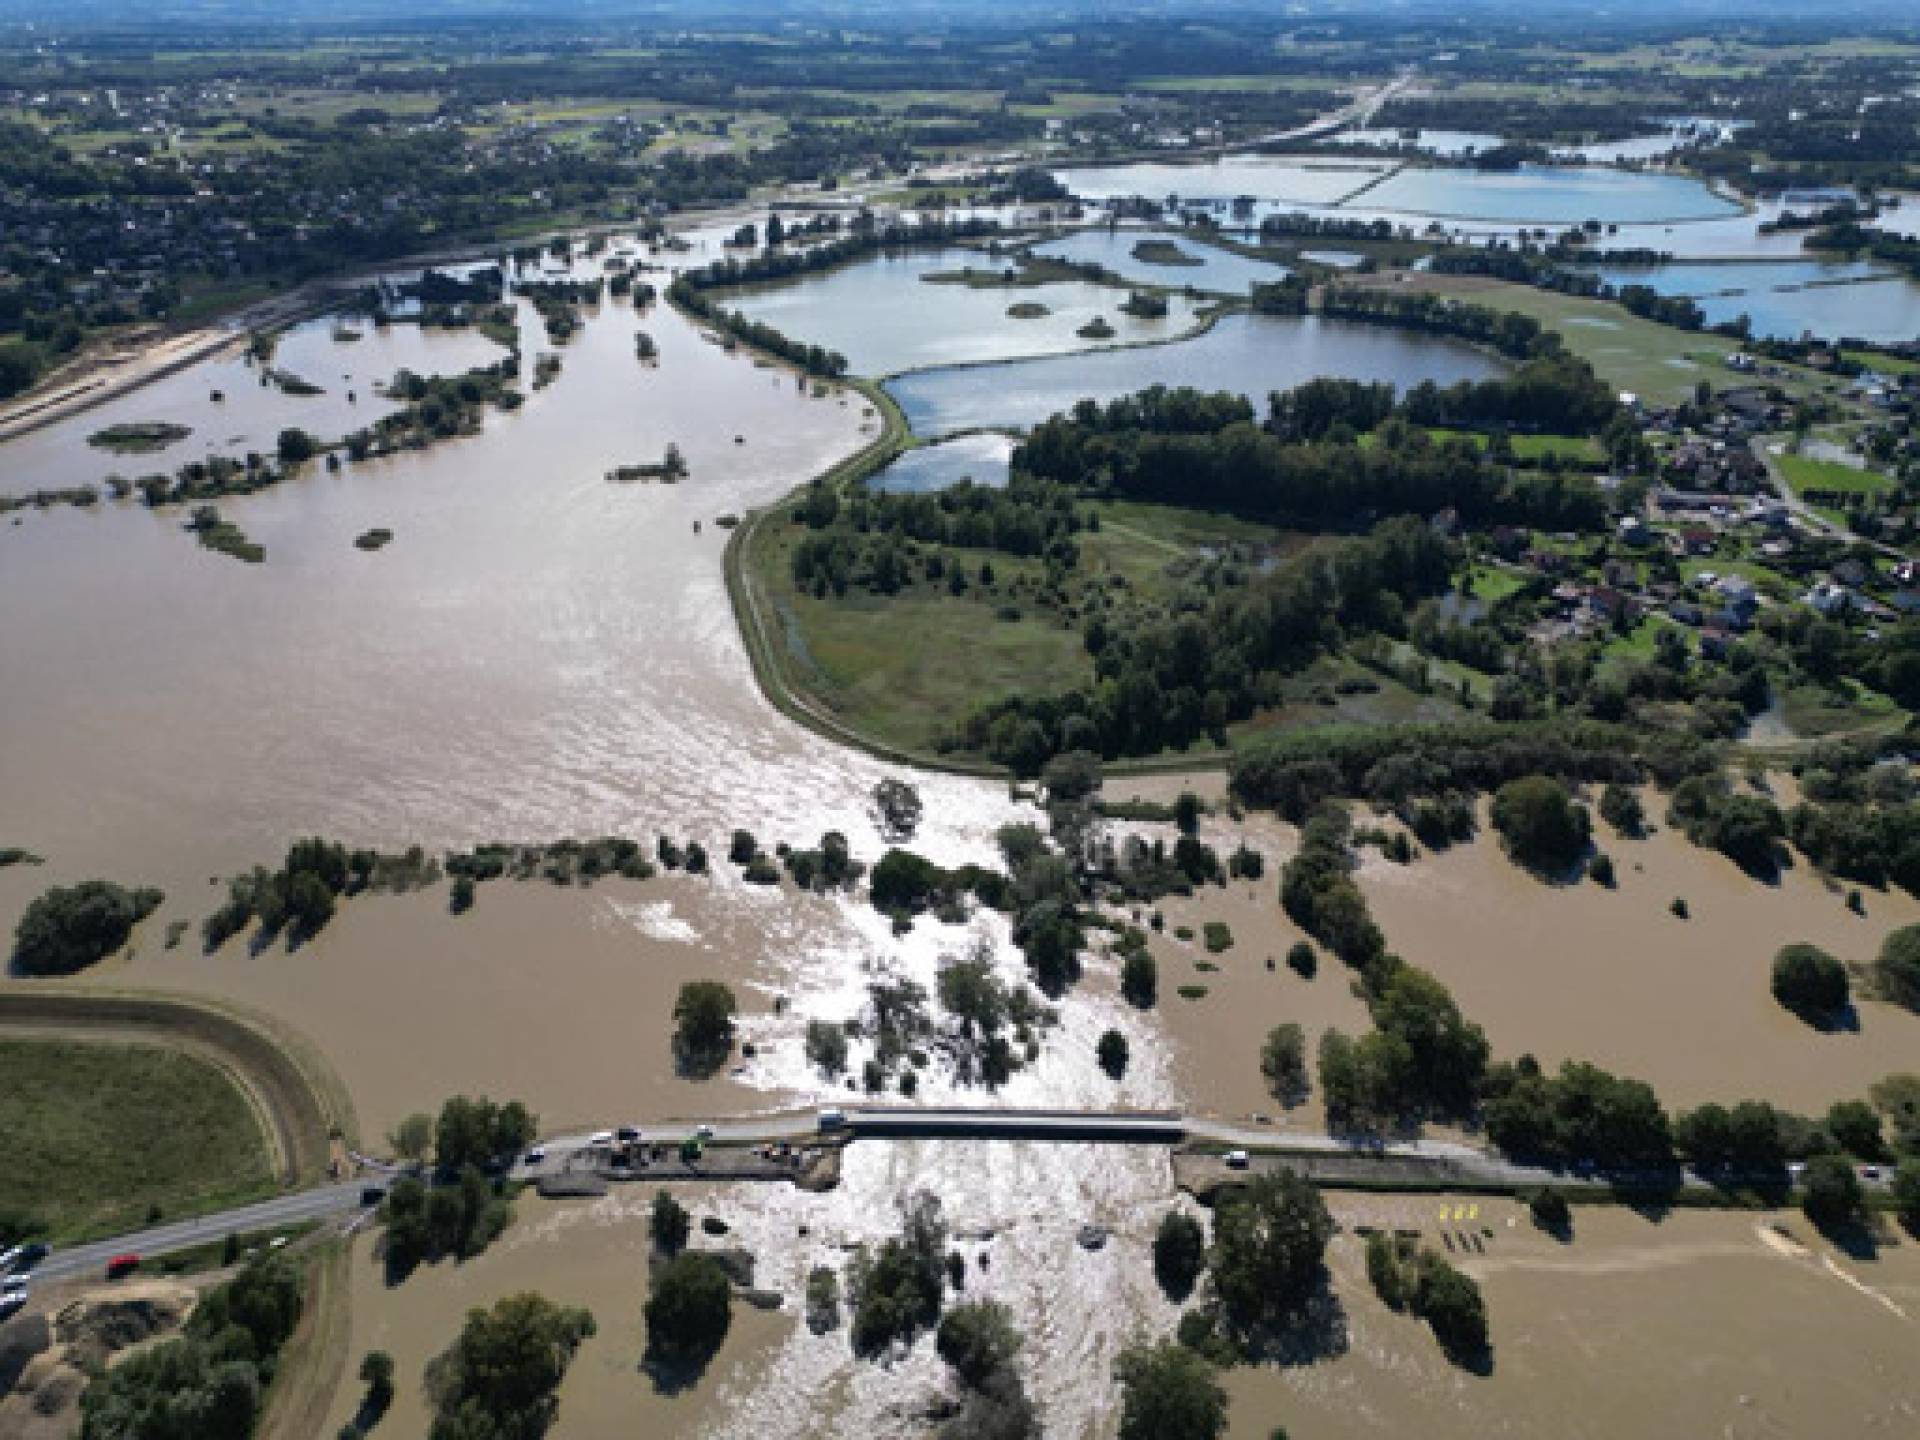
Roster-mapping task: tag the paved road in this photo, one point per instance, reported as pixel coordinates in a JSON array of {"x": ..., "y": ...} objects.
[
  {"x": 321, "y": 1203},
  {"x": 1451, "y": 1162}
]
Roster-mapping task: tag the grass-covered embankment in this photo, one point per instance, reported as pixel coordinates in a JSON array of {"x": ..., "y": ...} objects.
[{"x": 103, "y": 1136}]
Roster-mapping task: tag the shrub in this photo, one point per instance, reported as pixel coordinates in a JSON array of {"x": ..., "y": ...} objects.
[
  {"x": 690, "y": 1310},
  {"x": 977, "y": 1339},
  {"x": 1539, "y": 824},
  {"x": 1139, "y": 978},
  {"x": 1283, "y": 1061},
  {"x": 827, "y": 1045},
  {"x": 1897, "y": 971},
  {"x": 1219, "y": 937},
  {"x": 669, "y": 1224},
  {"x": 1113, "y": 1053},
  {"x": 1550, "y": 1209},
  {"x": 1831, "y": 1195},
  {"x": 1179, "y": 1253},
  {"x": 1809, "y": 981},
  {"x": 1620, "y": 807},
  {"x": 703, "y": 1022},
  {"x": 1302, "y": 960},
  {"x": 71, "y": 927}
]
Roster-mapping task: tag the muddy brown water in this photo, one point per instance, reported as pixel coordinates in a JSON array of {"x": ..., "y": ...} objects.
[
  {"x": 1699, "y": 1324},
  {"x": 540, "y": 653}
]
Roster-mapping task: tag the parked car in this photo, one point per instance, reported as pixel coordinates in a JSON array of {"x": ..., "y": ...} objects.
[
  {"x": 30, "y": 1255},
  {"x": 703, "y": 1132},
  {"x": 1237, "y": 1160},
  {"x": 627, "y": 1134},
  {"x": 537, "y": 1155},
  {"x": 372, "y": 1194},
  {"x": 833, "y": 1119},
  {"x": 600, "y": 1140},
  {"x": 121, "y": 1266}
]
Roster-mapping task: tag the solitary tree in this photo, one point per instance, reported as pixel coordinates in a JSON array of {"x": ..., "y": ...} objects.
[
  {"x": 1179, "y": 1253},
  {"x": 1809, "y": 981},
  {"x": 703, "y": 1023},
  {"x": 690, "y": 1310},
  {"x": 1269, "y": 1246},
  {"x": 670, "y": 1224}
]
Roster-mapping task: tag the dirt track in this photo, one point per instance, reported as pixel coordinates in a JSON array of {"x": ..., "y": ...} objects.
[{"x": 300, "y": 1102}]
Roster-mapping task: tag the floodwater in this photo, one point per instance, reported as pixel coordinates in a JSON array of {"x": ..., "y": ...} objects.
[
  {"x": 540, "y": 653},
  {"x": 1583, "y": 972},
  {"x": 1253, "y": 354},
  {"x": 1534, "y": 194},
  {"x": 1447, "y": 144},
  {"x": 1548, "y": 195},
  {"x": 1206, "y": 267},
  {"x": 1784, "y": 299},
  {"x": 885, "y": 316},
  {"x": 982, "y": 458},
  {"x": 589, "y": 1254},
  {"x": 253, "y": 413},
  {"x": 1696, "y": 1324},
  {"x": 1273, "y": 180}
]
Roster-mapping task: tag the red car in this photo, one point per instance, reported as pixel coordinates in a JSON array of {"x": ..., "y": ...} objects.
[{"x": 122, "y": 1265}]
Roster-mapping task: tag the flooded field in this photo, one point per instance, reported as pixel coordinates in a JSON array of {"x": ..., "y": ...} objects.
[
  {"x": 1696, "y": 1324},
  {"x": 1786, "y": 299},
  {"x": 541, "y": 653},
  {"x": 1543, "y": 195},
  {"x": 885, "y": 316},
  {"x": 538, "y": 653},
  {"x": 1253, "y": 354},
  {"x": 1264, "y": 178},
  {"x": 1583, "y": 972},
  {"x": 574, "y": 1253},
  {"x": 1202, "y": 266},
  {"x": 252, "y": 412}
]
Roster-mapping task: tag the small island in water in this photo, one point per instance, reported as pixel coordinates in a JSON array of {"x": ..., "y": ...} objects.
[{"x": 139, "y": 438}]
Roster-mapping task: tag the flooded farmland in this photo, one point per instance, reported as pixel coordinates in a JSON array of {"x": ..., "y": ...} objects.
[
  {"x": 1691, "y": 1324},
  {"x": 541, "y": 653}
]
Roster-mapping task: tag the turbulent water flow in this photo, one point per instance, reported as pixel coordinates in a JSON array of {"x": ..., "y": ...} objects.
[{"x": 543, "y": 653}]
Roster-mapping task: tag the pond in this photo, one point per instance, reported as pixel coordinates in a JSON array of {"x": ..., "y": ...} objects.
[
  {"x": 1787, "y": 298},
  {"x": 885, "y": 316},
  {"x": 981, "y": 458},
  {"x": 1253, "y": 354},
  {"x": 1205, "y": 266}
]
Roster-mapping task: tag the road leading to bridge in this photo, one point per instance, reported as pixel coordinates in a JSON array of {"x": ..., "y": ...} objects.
[{"x": 1435, "y": 1164}]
